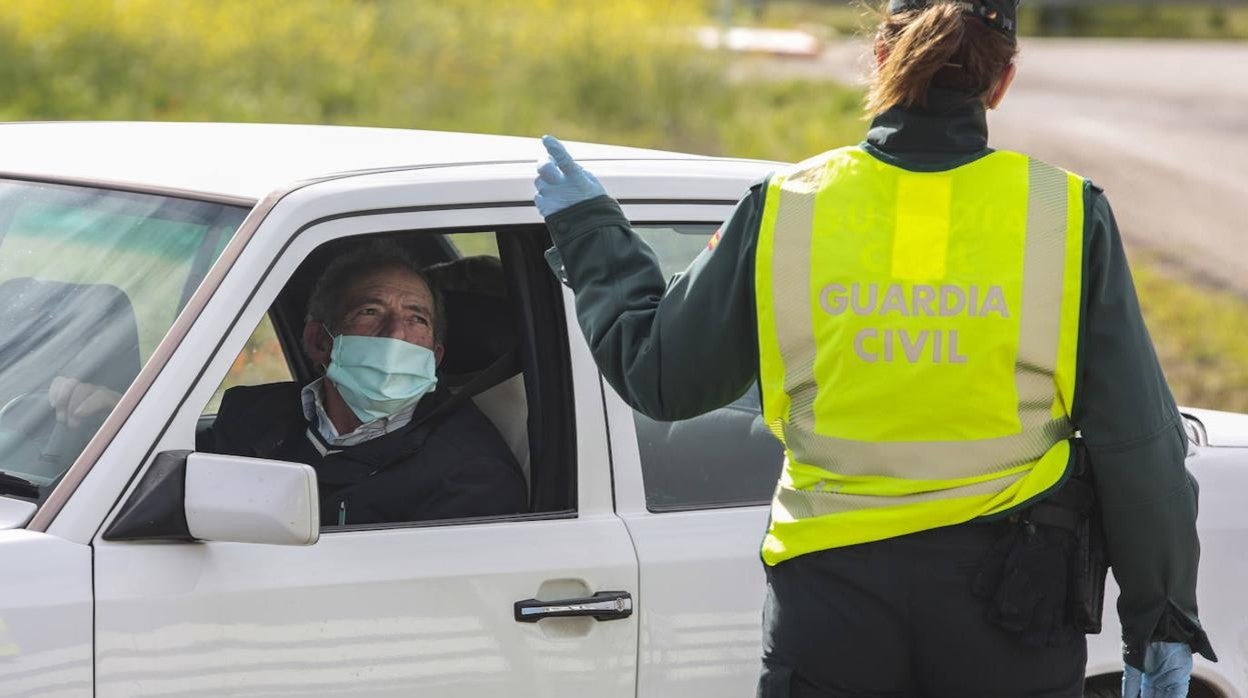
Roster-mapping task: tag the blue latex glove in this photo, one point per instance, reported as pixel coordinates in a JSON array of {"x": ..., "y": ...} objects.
[
  {"x": 561, "y": 182},
  {"x": 1167, "y": 672}
]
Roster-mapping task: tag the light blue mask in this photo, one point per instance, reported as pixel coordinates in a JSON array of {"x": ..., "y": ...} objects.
[{"x": 379, "y": 376}]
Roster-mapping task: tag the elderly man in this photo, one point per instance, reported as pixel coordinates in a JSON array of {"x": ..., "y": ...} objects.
[{"x": 387, "y": 445}]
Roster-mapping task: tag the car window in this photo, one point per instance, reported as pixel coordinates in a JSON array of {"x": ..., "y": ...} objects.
[
  {"x": 261, "y": 361},
  {"x": 474, "y": 244},
  {"x": 405, "y": 461},
  {"x": 724, "y": 458},
  {"x": 90, "y": 281}
]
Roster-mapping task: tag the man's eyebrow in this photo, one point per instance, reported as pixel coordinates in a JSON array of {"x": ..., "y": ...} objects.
[
  {"x": 354, "y": 303},
  {"x": 363, "y": 300},
  {"x": 418, "y": 307}
]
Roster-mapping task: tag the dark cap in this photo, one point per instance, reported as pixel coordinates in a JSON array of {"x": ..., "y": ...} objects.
[{"x": 1001, "y": 15}]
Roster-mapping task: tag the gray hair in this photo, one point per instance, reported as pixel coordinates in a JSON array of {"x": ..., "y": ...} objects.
[{"x": 325, "y": 301}]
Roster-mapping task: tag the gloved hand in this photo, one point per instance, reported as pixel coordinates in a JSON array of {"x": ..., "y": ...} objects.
[
  {"x": 561, "y": 182},
  {"x": 1167, "y": 672}
]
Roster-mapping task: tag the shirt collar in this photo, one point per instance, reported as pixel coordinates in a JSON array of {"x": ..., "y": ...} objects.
[
  {"x": 312, "y": 397},
  {"x": 951, "y": 124}
]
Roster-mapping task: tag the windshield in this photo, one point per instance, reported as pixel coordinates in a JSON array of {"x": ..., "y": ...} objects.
[{"x": 90, "y": 281}]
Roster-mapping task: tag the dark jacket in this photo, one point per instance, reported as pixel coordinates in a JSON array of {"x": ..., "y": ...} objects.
[
  {"x": 677, "y": 349},
  {"x": 442, "y": 465}
]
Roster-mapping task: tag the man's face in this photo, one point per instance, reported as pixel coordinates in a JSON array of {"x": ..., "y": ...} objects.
[{"x": 388, "y": 303}]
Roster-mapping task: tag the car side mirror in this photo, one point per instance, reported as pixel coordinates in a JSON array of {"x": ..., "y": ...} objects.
[
  {"x": 188, "y": 496},
  {"x": 1195, "y": 433}
]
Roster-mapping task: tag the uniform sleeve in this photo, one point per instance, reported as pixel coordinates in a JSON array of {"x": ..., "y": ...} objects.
[
  {"x": 1136, "y": 446},
  {"x": 672, "y": 350}
]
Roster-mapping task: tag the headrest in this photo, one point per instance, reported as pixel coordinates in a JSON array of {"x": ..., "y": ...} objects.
[{"x": 480, "y": 328}]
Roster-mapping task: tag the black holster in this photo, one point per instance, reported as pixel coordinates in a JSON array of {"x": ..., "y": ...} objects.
[
  {"x": 1045, "y": 574},
  {"x": 1091, "y": 563}
]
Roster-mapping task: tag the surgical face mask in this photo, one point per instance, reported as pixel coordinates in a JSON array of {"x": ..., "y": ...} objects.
[{"x": 380, "y": 376}]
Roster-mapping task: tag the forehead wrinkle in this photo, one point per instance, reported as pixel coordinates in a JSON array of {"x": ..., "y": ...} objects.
[
  {"x": 381, "y": 292},
  {"x": 412, "y": 285}
]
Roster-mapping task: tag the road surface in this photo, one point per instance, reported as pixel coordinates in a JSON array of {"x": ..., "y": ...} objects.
[{"x": 1161, "y": 125}]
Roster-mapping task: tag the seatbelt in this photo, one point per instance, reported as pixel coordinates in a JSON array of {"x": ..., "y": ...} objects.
[{"x": 503, "y": 367}]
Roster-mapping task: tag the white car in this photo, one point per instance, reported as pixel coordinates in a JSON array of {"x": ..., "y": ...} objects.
[{"x": 136, "y": 261}]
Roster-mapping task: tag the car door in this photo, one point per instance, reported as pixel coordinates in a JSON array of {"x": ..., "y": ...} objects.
[
  {"x": 419, "y": 608},
  {"x": 694, "y": 496}
]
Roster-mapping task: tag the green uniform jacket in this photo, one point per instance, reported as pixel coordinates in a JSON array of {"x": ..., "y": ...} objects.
[{"x": 678, "y": 349}]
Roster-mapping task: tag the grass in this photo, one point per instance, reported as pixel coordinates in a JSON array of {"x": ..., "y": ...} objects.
[{"x": 1201, "y": 334}]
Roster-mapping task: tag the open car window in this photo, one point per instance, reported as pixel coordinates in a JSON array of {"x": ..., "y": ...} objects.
[
  {"x": 90, "y": 282},
  {"x": 499, "y": 335},
  {"x": 262, "y": 361},
  {"x": 724, "y": 458}
]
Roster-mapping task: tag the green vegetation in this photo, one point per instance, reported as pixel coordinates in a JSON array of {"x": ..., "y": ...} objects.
[
  {"x": 1201, "y": 335},
  {"x": 1151, "y": 20},
  {"x": 624, "y": 71},
  {"x": 829, "y": 18}
]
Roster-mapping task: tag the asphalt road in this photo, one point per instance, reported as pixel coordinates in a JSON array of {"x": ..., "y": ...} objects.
[{"x": 1162, "y": 126}]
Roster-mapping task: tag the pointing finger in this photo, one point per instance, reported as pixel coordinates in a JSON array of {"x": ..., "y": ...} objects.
[{"x": 558, "y": 153}]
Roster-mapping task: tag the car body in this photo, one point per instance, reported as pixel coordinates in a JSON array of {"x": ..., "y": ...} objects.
[{"x": 98, "y": 599}]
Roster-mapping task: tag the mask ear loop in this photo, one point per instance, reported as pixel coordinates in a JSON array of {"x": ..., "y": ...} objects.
[{"x": 330, "y": 334}]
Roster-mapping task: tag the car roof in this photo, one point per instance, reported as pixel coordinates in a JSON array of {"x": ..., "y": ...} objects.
[{"x": 247, "y": 161}]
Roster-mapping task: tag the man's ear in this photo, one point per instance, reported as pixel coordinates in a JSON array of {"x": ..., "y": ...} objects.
[
  {"x": 437, "y": 354},
  {"x": 317, "y": 343},
  {"x": 997, "y": 93}
]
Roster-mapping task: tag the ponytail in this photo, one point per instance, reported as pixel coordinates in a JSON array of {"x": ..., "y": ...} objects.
[{"x": 937, "y": 46}]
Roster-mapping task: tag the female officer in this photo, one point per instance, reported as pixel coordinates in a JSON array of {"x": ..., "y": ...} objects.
[{"x": 932, "y": 324}]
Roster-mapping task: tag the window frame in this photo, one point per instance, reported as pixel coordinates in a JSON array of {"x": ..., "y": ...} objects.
[{"x": 521, "y": 247}]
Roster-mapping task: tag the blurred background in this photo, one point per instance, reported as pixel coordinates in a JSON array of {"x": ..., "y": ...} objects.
[{"x": 1147, "y": 98}]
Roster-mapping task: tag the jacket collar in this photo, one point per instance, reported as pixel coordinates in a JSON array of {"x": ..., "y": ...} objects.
[
  {"x": 355, "y": 463},
  {"x": 952, "y": 124}
]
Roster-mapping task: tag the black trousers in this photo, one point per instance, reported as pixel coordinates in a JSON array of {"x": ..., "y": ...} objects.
[{"x": 898, "y": 618}]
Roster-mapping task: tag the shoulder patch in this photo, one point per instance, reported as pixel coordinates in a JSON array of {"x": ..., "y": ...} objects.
[{"x": 714, "y": 242}]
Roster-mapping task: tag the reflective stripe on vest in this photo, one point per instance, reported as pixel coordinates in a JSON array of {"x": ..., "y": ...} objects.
[{"x": 917, "y": 342}]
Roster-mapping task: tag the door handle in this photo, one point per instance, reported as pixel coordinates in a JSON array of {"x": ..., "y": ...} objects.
[{"x": 605, "y": 605}]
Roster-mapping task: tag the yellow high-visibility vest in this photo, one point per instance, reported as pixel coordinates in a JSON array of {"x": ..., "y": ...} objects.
[{"x": 918, "y": 334}]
